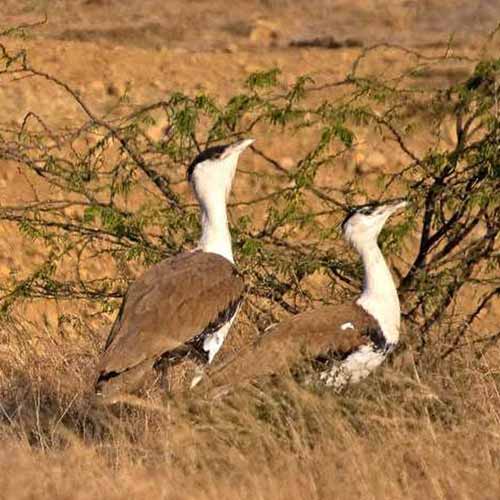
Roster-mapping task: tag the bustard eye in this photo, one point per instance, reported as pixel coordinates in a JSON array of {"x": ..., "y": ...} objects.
[
  {"x": 367, "y": 210},
  {"x": 213, "y": 153},
  {"x": 360, "y": 210}
]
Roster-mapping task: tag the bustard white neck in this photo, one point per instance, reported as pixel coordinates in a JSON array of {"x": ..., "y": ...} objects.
[
  {"x": 380, "y": 296},
  {"x": 215, "y": 235},
  {"x": 211, "y": 175}
]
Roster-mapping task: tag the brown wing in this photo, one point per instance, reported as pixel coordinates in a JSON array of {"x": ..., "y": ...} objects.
[
  {"x": 168, "y": 305},
  {"x": 338, "y": 329}
]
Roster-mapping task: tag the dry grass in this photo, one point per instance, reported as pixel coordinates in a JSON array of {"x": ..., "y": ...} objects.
[{"x": 411, "y": 431}]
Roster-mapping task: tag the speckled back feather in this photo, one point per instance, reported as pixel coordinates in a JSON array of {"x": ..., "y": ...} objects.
[
  {"x": 166, "y": 307},
  {"x": 303, "y": 337}
]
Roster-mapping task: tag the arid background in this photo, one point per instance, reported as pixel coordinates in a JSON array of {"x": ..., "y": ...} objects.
[{"x": 422, "y": 426}]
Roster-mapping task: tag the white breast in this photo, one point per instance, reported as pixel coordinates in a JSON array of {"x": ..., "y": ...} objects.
[
  {"x": 355, "y": 367},
  {"x": 213, "y": 342}
]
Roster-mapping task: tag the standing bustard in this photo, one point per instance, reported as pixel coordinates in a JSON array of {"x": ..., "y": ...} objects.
[
  {"x": 338, "y": 343},
  {"x": 181, "y": 308}
]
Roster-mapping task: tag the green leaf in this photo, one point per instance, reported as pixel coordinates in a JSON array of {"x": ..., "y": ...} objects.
[{"x": 263, "y": 79}]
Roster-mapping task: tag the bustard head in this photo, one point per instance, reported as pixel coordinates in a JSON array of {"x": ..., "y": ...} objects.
[
  {"x": 212, "y": 171},
  {"x": 363, "y": 225}
]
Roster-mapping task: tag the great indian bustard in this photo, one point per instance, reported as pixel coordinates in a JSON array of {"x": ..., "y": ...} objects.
[
  {"x": 181, "y": 308},
  {"x": 336, "y": 344}
]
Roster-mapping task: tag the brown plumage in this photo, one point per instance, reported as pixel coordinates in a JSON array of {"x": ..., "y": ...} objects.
[
  {"x": 336, "y": 331},
  {"x": 164, "y": 316},
  {"x": 344, "y": 343}
]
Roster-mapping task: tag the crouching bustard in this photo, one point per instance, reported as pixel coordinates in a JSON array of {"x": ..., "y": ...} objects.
[
  {"x": 334, "y": 344},
  {"x": 181, "y": 309}
]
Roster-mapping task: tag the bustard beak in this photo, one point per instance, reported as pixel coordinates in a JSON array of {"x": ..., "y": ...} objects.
[
  {"x": 393, "y": 206},
  {"x": 237, "y": 147}
]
